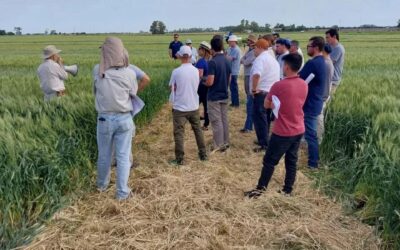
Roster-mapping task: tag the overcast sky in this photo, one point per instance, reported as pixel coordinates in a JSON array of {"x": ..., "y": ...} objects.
[{"x": 35, "y": 16}]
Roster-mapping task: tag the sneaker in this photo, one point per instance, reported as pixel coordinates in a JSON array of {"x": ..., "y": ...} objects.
[
  {"x": 204, "y": 128},
  {"x": 176, "y": 162},
  {"x": 203, "y": 157},
  {"x": 233, "y": 106},
  {"x": 260, "y": 149},
  {"x": 128, "y": 197},
  {"x": 256, "y": 142},
  {"x": 244, "y": 130},
  {"x": 201, "y": 118},
  {"x": 313, "y": 168},
  {"x": 255, "y": 193},
  {"x": 284, "y": 193}
]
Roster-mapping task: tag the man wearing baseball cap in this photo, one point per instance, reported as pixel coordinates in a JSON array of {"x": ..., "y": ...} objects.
[
  {"x": 52, "y": 73},
  {"x": 233, "y": 55},
  {"x": 193, "y": 58},
  {"x": 185, "y": 105},
  {"x": 282, "y": 47}
]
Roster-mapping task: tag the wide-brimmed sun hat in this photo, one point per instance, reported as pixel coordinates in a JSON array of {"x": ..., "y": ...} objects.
[{"x": 50, "y": 50}]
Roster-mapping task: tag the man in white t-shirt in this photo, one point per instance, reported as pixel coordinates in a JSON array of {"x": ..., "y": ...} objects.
[
  {"x": 263, "y": 74},
  {"x": 185, "y": 103}
]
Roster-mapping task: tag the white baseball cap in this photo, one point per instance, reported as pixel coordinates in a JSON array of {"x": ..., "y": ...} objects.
[
  {"x": 188, "y": 41},
  {"x": 232, "y": 38},
  {"x": 184, "y": 50}
]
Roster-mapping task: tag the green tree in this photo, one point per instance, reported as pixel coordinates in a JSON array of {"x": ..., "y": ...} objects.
[
  {"x": 157, "y": 27},
  {"x": 398, "y": 23},
  {"x": 3, "y": 32}
]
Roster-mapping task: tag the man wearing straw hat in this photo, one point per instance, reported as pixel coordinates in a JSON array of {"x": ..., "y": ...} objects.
[
  {"x": 52, "y": 73},
  {"x": 233, "y": 55},
  {"x": 114, "y": 86}
]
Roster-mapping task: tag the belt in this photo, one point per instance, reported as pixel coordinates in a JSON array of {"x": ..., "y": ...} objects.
[
  {"x": 60, "y": 93},
  {"x": 261, "y": 92}
]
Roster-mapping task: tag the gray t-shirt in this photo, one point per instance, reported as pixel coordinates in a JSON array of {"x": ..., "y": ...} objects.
[
  {"x": 235, "y": 53},
  {"x": 328, "y": 80},
  {"x": 139, "y": 73},
  {"x": 247, "y": 61},
  {"x": 337, "y": 56}
]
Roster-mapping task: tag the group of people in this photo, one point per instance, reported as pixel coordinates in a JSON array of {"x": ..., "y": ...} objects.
[
  {"x": 281, "y": 88},
  {"x": 274, "y": 74}
]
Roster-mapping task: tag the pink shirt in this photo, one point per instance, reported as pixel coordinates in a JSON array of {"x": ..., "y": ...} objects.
[{"x": 292, "y": 93}]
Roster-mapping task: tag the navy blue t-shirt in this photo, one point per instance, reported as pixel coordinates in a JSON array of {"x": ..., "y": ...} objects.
[
  {"x": 175, "y": 46},
  {"x": 202, "y": 64},
  {"x": 220, "y": 67},
  {"x": 314, "y": 101}
]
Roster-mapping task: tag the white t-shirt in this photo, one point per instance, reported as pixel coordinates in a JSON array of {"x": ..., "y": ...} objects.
[
  {"x": 193, "y": 60},
  {"x": 185, "y": 82},
  {"x": 267, "y": 68}
]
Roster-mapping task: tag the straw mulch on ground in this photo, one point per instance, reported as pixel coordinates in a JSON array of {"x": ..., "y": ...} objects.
[{"x": 201, "y": 205}]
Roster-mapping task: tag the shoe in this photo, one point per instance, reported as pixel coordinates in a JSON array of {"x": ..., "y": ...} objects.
[
  {"x": 204, "y": 128},
  {"x": 233, "y": 106},
  {"x": 128, "y": 197},
  {"x": 260, "y": 149},
  {"x": 313, "y": 168},
  {"x": 221, "y": 148},
  {"x": 286, "y": 194},
  {"x": 203, "y": 157},
  {"x": 201, "y": 118},
  {"x": 244, "y": 130},
  {"x": 256, "y": 142},
  {"x": 176, "y": 162},
  {"x": 255, "y": 193}
]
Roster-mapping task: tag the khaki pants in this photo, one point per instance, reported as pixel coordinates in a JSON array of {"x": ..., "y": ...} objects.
[
  {"x": 218, "y": 114},
  {"x": 179, "y": 121},
  {"x": 321, "y": 123}
]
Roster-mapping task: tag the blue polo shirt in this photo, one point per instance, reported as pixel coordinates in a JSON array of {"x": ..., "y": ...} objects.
[
  {"x": 175, "y": 46},
  {"x": 220, "y": 68},
  {"x": 314, "y": 101}
]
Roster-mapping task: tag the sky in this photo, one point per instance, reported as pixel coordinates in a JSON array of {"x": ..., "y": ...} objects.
[{"x": 101, "y": 16}]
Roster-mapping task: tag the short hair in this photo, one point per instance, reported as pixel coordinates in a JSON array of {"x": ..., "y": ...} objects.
[
  {"x": 318, "y": 41},
  {"x": 333, "y": 33},
  {"x": 269, "y": 38},
  {"x": 295, "y": 43},
  {"x": 327, "y": 48},
  {"x": 284, "y": 42},
  {"x": 262, "y": 43},
  {"x": 294, "y": 61},
  {"x": 276, "y": 34},
  {"x": 217, "y": 43},
  {"x": 176, "y": 34}
]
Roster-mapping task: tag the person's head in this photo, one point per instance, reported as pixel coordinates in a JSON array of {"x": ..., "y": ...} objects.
[
  {"x": 51, "y": 52},
  {"x": 282, "y": 46},
  {"x": 292, "y": 64},
  {"x": 113, "y": 54},
  {"x": 204, "y": 49},
  {"x": 260, "y": 46},
  {"x": 315, "y": 46},
  {"x": 276, "y": 35},
  {"x": 269, "y": 38},
  {"x": 188, "y": 43},
  {"x": 327, "y": 50},
  {"x": 232, "y": 40},
  {"x": 251, "y": 40},
  {"x": 184, "y": 54},
  {"x": 294, "y": 46},
  {"x": 332, "y": 36},
  {"x": 176, "y": 37},
  {"x": 217, "y": 43}
]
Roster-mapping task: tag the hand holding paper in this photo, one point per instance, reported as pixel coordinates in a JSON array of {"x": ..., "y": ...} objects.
[{"x": 276, "y": 105}]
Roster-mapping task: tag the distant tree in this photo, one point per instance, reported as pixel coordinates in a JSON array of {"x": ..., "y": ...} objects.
[
  {"x": 267, "y": 27},
  {"x": 18, "y": 30},
  {"x": 398, "y": 23},
  {"x": 10, "y": 33},
  {"x": 53, "y": 32},
  {"x": 46, "y": 32},
  {"x": 3, "y": 32},
  {"x": 254, "y": 26},
  {"x": 157, "y": 27}
]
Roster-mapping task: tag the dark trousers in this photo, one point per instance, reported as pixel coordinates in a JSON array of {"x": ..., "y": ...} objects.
[
  {"x": 202, "y": 91},
  {"x": 261, "y": 119},
  {"x": 179, "y": 120},
  {"x": 278, "y": 146},
  {"x": 233, "y": 86}
]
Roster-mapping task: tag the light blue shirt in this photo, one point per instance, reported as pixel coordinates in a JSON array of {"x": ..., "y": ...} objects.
[{"x": 235, "y": 54}]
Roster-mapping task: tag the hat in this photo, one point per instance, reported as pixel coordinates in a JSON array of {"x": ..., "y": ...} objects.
[
  {"x": 285, "y": 42},
  {"x": 50, "y": 50},
  {"x": 262, "y": 43},
  {"x": 205, "y": 45},
  {"x": 327, "y": 48},
  {"x": 188, "y": 41},
  {"x": 184, "y": 50},
  {"x": 232, "y": 38},
  {"x": 252, "y": 38}
]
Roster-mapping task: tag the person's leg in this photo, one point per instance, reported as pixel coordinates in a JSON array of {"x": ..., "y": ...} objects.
[
  {"x": 123, "y": 142},
  {"x": 104, "y": 145},
  {"x": 214, "y": 113},
  {"x": 311, "y": 124},
  {"x": 194, "y": 120},
  {"x": 260, "y": 119},
  {"x": 234, "y": 91},
  {"x": 321, "y": 125},
  {"x": 248, "y": 125},
  {"x": 179, "y": 120},
  {"x": 278, "y": 147},
  {"x": 225, "y": 122},
  {"x": 291, "y": 163},
  {"x": 206, "y": 118}
]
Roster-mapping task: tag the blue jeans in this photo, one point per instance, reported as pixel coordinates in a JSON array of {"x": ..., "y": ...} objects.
[
  {"x": 117, "y": 129},
  {"x": 249, "y": 113},
  {"x": 234, "y": 91},
  {"x": 261, "y": 119},
  {"x": 311, "y": 124}
]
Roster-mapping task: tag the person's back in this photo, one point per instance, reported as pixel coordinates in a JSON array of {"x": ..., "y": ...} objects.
[
  {"x": 219, "y": 66},
  {"x": 316, "y": 87},
  {"x": 337, "y": 56},
  {"x": 329, "y": 76},
  {"x": 186, "y": 82},
  {"x": 52, "y": 77},
  {"x": 114, "y": 89}
]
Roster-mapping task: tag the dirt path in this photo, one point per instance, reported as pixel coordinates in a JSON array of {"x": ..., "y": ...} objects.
[{"x": 201, "y": 205}]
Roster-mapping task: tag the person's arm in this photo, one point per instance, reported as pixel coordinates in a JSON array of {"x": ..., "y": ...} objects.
[
  {"x": 170, "y": 50},
  {"x": 201, "y": 72},
  {"x": 268, "y": 99},
  {"x": 58, "y": 70},
  {"x": 255, "y": 79},
  {"x": 211, "y": 73},
  {"x": 210, "y": 80},
  {"x": 248, "y": 59},
  {"x": 144, "y": 82}
]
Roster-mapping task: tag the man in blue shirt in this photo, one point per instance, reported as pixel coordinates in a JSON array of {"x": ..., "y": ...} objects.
[
  {"x": 314, "y": 102},
  {"x": 233, "y": 55},
  {"x": 174, "y": 46}
]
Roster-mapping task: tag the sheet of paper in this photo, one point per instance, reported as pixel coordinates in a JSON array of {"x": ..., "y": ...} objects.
[
  {"x": 137, "y": 105},
  {"x": 276, "y": 105},
  {"x": 309, "y": 78}
]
